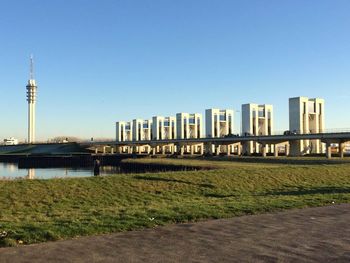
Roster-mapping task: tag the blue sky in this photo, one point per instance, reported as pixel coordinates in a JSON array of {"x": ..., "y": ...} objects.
[{"x": 100, "y": 61}]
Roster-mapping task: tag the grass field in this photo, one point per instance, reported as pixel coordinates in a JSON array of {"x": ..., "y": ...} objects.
[{"x": 41, "y": 210}]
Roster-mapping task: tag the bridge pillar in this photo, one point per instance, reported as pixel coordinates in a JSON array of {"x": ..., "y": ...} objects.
[
  {"x": 217, "y": 150},
  {"x": 139, "y": 149},
  {"x": 172, "y": 149},
  {"x": 96, "y": 150},
  {"x": 328, "y": 150},
  {"x": 112, "y": 150},
  {"x": 264, "y": 149},
  {"x": 275, "y": 152},
  {"x": 246, "y": 148},
  {"x": 191, "y": 149},
  {"x": 182, "y": 150},
  {"x": 294, "y": 148},
  {"x": 208, "y": 148},
  {"x": 286, "y": 149},
  {"x": 341, "y": 149},
  {"x": 239, "y": 149},
  {"x": 202, "y": 149},
  {"x": 153, "y": 150},
  {"x": 228, "y": 148}
]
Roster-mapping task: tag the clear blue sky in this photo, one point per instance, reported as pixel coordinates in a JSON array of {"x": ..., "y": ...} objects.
[{"x": 100, "y": 61}]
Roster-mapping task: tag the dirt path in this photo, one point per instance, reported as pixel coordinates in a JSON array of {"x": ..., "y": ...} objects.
[{"x": 306, "y": 235}]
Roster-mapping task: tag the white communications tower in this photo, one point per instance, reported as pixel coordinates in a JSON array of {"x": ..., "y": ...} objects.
[{"x": 31, "y": 98}]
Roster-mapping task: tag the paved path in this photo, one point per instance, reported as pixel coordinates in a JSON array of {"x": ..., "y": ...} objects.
[{"x": 306, "y": 235}]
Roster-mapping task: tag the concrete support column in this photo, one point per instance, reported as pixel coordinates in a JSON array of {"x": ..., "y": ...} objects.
[
  {"x": 202, "y": 149},
  {"x": 172, "y": 149},
  {"x": 275, "y": 150},
  {"x": 192, "y": 149},
  {"x": 96, "y": 150},
  {"x": 140, "y": 149},
  {"x": 112, "y": 150},
  {"x": 341, "y": 150},
  {"x": 163, "y": 149},
  {"x": 228, "y": 152},
  {"x": 209, "y": 148},
  {"x": 239, "y": 150},
  {"x": 286, "y": 149},
  {"x": 217, "y": 150},
  {"x": 263, "y": 150},
  {"x": 328, "y": 151},
  {"x": 182, "y": 150},
  {"x": 153, "y": 150}
]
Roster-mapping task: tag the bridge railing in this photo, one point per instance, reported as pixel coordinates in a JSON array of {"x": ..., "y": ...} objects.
[
  {"x": 291, "y": 132},
  {"x": 284, "y": 132}
]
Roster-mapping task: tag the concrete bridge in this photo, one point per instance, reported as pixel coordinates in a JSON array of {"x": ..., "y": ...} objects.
[{"x": 232, "y": 145}]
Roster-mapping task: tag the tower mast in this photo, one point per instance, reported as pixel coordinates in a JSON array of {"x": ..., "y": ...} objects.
[{"x": 31, "y": 99}]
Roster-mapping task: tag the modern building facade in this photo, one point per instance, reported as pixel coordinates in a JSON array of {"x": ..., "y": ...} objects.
[
  {"x": 189, "y": 125},
  {"x": 124, "y": 131},
  {"x": 31, "y": 99},
  {"x": 218, "y": 123},
  {"x": 306, "y": 116},
  {"x": 142, "y": 130},
  {"x": 257, "y": 120},
  {"x": 163, "y": 128}
]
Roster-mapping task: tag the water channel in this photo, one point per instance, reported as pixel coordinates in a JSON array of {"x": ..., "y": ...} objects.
[{"x": 11, "y": 171}]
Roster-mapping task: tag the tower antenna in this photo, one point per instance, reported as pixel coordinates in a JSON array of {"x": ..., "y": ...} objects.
[{"x": 31, "y": 67}]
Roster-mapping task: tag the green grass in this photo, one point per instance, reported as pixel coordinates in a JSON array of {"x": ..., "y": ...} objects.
[{"x": 40, "y": 210}]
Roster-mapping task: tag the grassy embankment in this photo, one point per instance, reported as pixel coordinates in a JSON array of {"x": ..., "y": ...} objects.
[{"x": 41, "y": 210}]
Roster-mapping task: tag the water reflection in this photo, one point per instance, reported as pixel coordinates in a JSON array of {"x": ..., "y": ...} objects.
[{"x": 11, "y": 171}]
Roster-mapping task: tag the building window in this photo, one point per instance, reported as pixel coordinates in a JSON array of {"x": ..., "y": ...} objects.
[
  {"x": 222, "y": 117},
  {"x": 312, "y": 107},
  {"x": 261, "y": 113}
]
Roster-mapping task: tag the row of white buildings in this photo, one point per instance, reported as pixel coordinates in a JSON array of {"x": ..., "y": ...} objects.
[{"x": 305, "y": 116}]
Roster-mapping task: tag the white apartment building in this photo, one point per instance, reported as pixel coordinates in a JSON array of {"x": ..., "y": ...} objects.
[
  {"x": 257, "y": 120},
  {"x": 142, "y": 130},
  {"x": 124, "y": 134},
  {"x": 124, "y": 131},
  {"x": 306, "y": 116},
  {"x": 163, "y": 128},
  {"x": 218, "y": 123},
  {"x": 190, "y": 126}
]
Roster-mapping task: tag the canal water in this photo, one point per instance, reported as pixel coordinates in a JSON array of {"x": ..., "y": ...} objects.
[{"x": 11, "y": 171}]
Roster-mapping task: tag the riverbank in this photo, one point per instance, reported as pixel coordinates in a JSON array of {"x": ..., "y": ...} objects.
[{"x": 40, "y": 210}]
